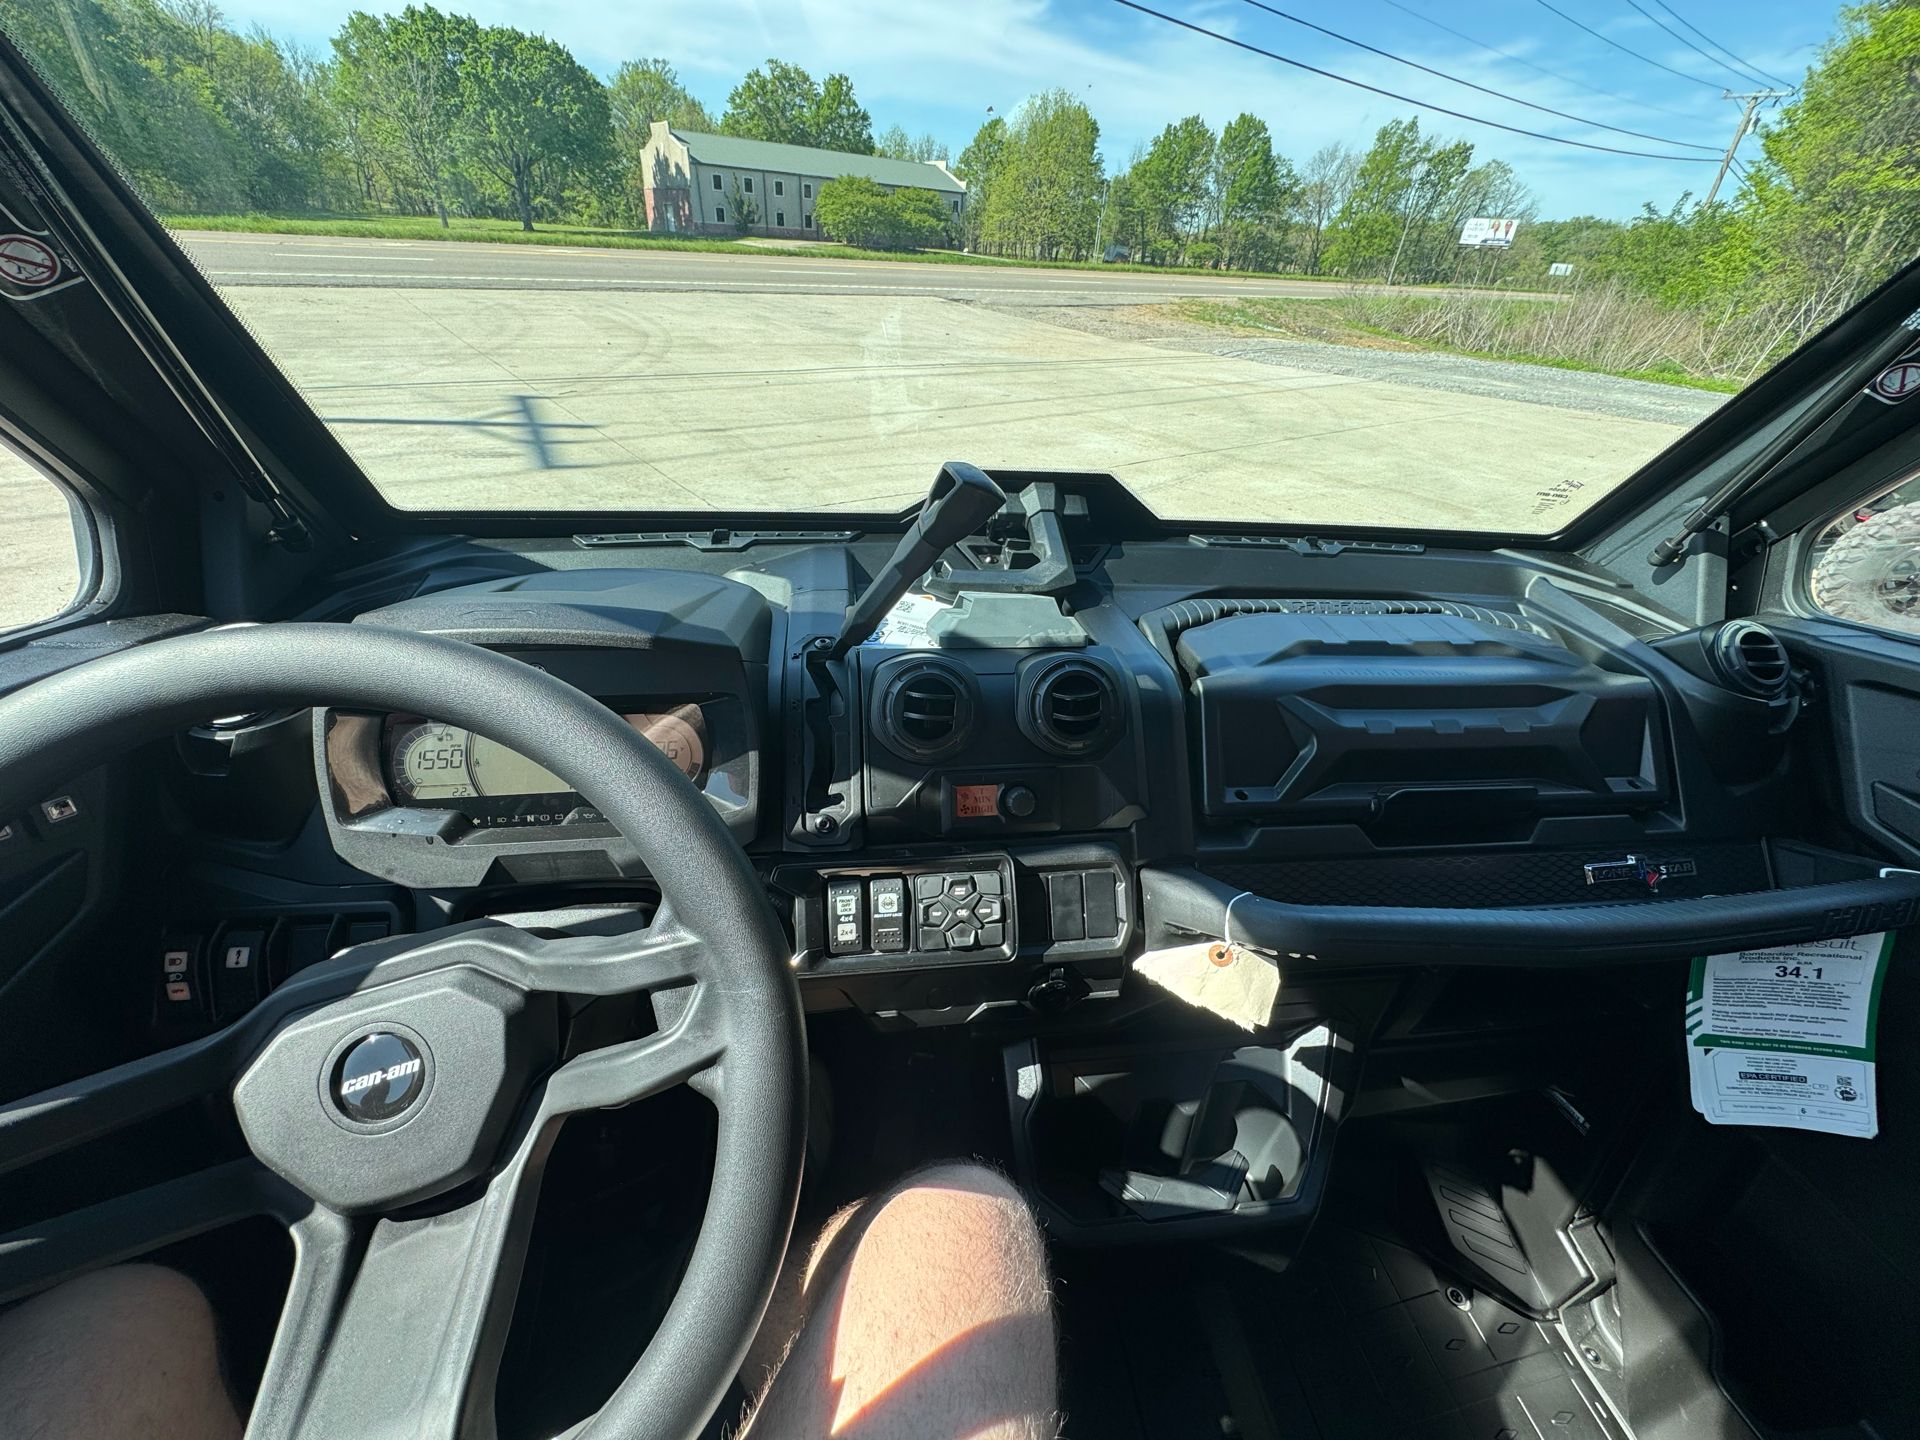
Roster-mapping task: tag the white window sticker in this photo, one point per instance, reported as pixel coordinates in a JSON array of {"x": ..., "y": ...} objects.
[{"x": 1785, "y": 1036}]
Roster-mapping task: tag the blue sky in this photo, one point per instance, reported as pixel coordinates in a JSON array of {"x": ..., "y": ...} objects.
[{"x": 937, "y": 65}]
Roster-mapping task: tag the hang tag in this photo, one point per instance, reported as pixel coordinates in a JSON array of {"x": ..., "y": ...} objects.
[
  {"x": 1785, "y": 1036},
  {"x": 1228, "y": 980}
]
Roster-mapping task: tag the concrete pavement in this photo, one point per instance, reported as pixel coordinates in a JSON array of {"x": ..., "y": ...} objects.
[
  {"x": 39, "y": 566},
  {"x": 516, "y": 377}
]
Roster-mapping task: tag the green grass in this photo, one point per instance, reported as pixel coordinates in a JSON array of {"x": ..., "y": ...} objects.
[
  {"x": 493, "y": 232},
  {"x": 1328, "y": 322},
  {"x": 508, "y": 232}
]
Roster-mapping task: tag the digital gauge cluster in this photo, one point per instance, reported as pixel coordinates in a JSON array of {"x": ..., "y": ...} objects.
[{"x": 431, "y": 763}]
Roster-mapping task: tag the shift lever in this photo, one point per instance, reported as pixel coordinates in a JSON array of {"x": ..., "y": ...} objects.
[{"x": 962, "y": 500}]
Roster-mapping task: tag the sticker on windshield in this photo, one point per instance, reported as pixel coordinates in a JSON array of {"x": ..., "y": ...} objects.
[
  {"x": 1897, "y": 381},
  {"x": 31, "y": 264}
]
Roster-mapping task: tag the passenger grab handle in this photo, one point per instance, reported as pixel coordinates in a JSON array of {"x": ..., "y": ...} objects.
[{"x": 1180, "y": 903}]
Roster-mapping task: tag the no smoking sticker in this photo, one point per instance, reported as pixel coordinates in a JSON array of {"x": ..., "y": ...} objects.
[
  {"x": 1897, "y": 381},
  {"x": 28, "y": 262},
  {"x": 32, "y": 265}
]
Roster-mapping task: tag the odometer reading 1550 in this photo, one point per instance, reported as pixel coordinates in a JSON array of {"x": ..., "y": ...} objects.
[{"x": 430, "y": 762}]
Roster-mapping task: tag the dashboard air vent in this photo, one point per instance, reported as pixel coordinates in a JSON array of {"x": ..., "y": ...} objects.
[
  {"x": 1072, "y": 707},
  {"x": 1752, "y": 660},
  {"x": 926, "y": 710}
]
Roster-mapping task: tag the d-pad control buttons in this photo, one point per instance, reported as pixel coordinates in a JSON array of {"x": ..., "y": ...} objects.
[{"x": 961, "y": 911}]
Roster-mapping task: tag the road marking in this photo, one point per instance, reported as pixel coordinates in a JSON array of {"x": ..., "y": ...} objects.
[{"x": 292, "y": 279}]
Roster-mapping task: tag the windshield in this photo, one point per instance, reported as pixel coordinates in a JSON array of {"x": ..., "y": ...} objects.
[{"x": 1380, "y": 264}]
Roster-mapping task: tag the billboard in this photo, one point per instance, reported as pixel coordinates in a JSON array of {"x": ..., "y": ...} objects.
[{"x": 1483, "y": 233}]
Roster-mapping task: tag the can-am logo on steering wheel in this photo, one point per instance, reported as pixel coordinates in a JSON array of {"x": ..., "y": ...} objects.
[{"x": 381, "y": 1076}]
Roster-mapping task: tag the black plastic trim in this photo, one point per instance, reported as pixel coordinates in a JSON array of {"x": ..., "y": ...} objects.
[{"x": 1179, "y": 904}]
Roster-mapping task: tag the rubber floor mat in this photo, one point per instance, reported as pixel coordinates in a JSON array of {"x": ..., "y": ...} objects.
[{"x": 1359, "y": 1340}]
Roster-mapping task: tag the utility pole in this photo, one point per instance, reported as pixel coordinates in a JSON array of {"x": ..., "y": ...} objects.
[{"x": 1754, "y": 99}]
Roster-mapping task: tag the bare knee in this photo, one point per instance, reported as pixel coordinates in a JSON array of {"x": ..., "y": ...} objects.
[
  {"x": 930, "y": 1318},
  {"x": 128, "y": 1351},
  {"x": 965, "y": 1231}
]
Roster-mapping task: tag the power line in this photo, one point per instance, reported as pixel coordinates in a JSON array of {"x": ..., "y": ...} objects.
[
  {"x": 1745, "y": 77},
  {"x": 1483, "y": 89},
  {"x": 1625, "y": 50},
  {"x": 1748, "y": 64},
  {"x": 1537, "y": 69},
  {"x": 1407, "y": 99}
]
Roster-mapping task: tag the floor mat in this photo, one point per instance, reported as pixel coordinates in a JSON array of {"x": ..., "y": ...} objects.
[{"x": 1357, "y": 1341}]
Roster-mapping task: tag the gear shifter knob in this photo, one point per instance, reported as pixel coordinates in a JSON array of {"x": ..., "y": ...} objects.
[{"x": 963, "y": 499}]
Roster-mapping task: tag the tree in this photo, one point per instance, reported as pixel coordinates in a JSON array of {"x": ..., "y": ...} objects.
[
  {"x": 859, "y": 211},
  {"x": 921, "y": 217},
  {"x": 1835, "y": 200},
  {"x": 1045, "y": 198},
  {"x": 1249, "y": 186},
  {"x": 644, "y": 91},
  {"x": 836, "y": 120},
  {"x": 401, "y": 74},
  {"x": 979, "y": 165},
  {"x": 1246, "y": 175},
  {"x": 641, "y": 93},
  {"x": 853, "y": 210},
  {"x": 1324, "y": 189},
  {"x": 782, "y": 103},
  {"x": 743, "y": 207},
  {"x": 896, "y": 144},
  {"x": 1399, "y": 187},
  {"x": 531, "y": 115},
  {"x": 1441, "y": 169},
  {"x": 1171, "y": 184}
]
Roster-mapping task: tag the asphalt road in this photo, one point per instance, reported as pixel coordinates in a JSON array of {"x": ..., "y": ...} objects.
[{"x": 252, "y": 260}]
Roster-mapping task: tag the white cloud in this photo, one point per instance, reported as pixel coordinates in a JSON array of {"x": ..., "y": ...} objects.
[{"x": 939, "y": 66}]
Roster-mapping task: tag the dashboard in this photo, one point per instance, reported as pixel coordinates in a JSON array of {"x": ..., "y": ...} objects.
[{"x": 1078, "y": 736}]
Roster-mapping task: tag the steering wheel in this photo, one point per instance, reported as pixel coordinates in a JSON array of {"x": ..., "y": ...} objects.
[{"x": 400, "y": 1100}]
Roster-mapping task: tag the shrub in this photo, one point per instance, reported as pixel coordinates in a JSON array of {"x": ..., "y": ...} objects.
[{"x": 858, "y": 211}]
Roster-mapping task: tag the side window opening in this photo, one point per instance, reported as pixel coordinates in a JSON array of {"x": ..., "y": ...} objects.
[
  {"x": 40, "y": 558},
  {"x": 1865, "y": 562}
]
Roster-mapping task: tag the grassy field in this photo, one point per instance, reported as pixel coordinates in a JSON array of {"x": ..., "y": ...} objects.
[
  {"x": 508, "y": 232},
  {"x": 1598, "y": 336}
]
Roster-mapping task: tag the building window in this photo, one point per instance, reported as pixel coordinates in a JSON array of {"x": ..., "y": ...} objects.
[
  {"x": 780, "y": 219},
  {"x": 779, "y": 187},
  {"x": 956, "y": 206},
  {"x": 748, "y": 184},
  {"x": 809, "y": 222},
  {"x": 718, "y": 183},
  {"x": 806, "y": 191},
  {"x": 720, "y": 214}
]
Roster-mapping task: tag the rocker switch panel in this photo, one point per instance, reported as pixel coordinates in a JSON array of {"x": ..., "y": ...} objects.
[{"x": 846, "y": 917}]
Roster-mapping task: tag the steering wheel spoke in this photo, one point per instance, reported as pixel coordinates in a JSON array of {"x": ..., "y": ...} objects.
[
  {"x": 688, "y": 1046},
  {"x": 393, "y": 1327},
  {"x": 624, "y": 960},
  {"x": 48, "y": 1251}
]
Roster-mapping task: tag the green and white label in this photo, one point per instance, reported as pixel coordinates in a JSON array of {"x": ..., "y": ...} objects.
[{"x": 1785, "y": 1036}]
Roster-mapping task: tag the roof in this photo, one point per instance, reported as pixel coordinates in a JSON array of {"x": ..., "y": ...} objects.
[{"x": 732, "y": 153}]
